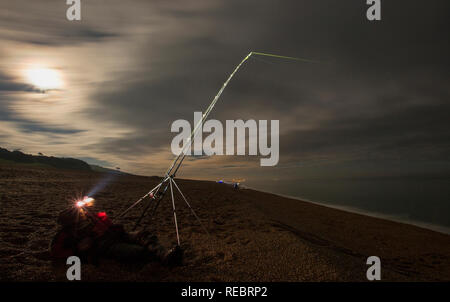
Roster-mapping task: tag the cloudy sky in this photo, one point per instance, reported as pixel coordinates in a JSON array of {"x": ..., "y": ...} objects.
[{"x": 377, "y": 105}]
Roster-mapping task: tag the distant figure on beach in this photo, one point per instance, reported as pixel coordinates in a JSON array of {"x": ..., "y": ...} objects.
[{"x": 94, "y": 236}]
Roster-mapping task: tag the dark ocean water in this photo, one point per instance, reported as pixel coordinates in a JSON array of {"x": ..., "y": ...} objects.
[{"x": 425, "y": 202}]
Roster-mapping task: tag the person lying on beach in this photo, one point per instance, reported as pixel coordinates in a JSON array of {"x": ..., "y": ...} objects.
[{"x": 94, "y": 236}]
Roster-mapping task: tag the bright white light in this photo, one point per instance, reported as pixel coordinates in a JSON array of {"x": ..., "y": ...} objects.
[
  {"x": 44, "y": 78},
  {"x": 87, "y": 201}
]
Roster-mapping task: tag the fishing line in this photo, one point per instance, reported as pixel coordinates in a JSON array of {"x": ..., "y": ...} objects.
[{"x": 262, "y": 60}]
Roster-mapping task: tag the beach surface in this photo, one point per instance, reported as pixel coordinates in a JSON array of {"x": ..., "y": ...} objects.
[{"x": 254, "y": 236}]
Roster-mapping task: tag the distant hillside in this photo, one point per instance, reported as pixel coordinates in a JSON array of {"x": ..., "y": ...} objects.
[
  {"x": 55, "y": 162},
  {"x": 106, "y": 170}
]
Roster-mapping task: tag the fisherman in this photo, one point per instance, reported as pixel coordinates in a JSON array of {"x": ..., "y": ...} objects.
[{"x": 94, "y": 236}]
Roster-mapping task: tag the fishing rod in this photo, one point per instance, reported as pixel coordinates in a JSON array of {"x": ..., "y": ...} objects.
[
  {"x": 214, "y": 101},
  {"x": 156, "y": 193}
]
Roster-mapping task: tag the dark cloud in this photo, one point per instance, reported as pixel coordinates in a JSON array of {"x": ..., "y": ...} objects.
[
  {"x": 8, "y": 89},
  {"x": 8, "y": 84},
  {"x": 44, "y": 23},
  {"x": 29, "y": 127},
  {"x": 61, "y": 38}
]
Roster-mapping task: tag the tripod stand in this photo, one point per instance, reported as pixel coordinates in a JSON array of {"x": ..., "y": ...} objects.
[{"x": 156, "y": 195}]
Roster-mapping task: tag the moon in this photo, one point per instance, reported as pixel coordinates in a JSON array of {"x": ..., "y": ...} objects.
[{"x": 44, "y": 78}]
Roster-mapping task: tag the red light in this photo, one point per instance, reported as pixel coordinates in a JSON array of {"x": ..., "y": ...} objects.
[{"x": 102, "y": 215}]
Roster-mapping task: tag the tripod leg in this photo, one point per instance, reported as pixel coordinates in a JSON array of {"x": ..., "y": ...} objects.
[
  {"x": 140, "y": 199},
  {"x": 159, "y": 201},
  {"x": 192, "y": 210},
  {"x": 155, "y": 205},
  {"x": 174, "y": 211},
  {"x": 142, "y": 215}
]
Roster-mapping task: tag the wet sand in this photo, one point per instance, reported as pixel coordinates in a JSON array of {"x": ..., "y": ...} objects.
[{"x": 254, "y": 236}]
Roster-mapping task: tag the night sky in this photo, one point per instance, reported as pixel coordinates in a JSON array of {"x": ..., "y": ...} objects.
[{"x": 378, "y": 104}]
